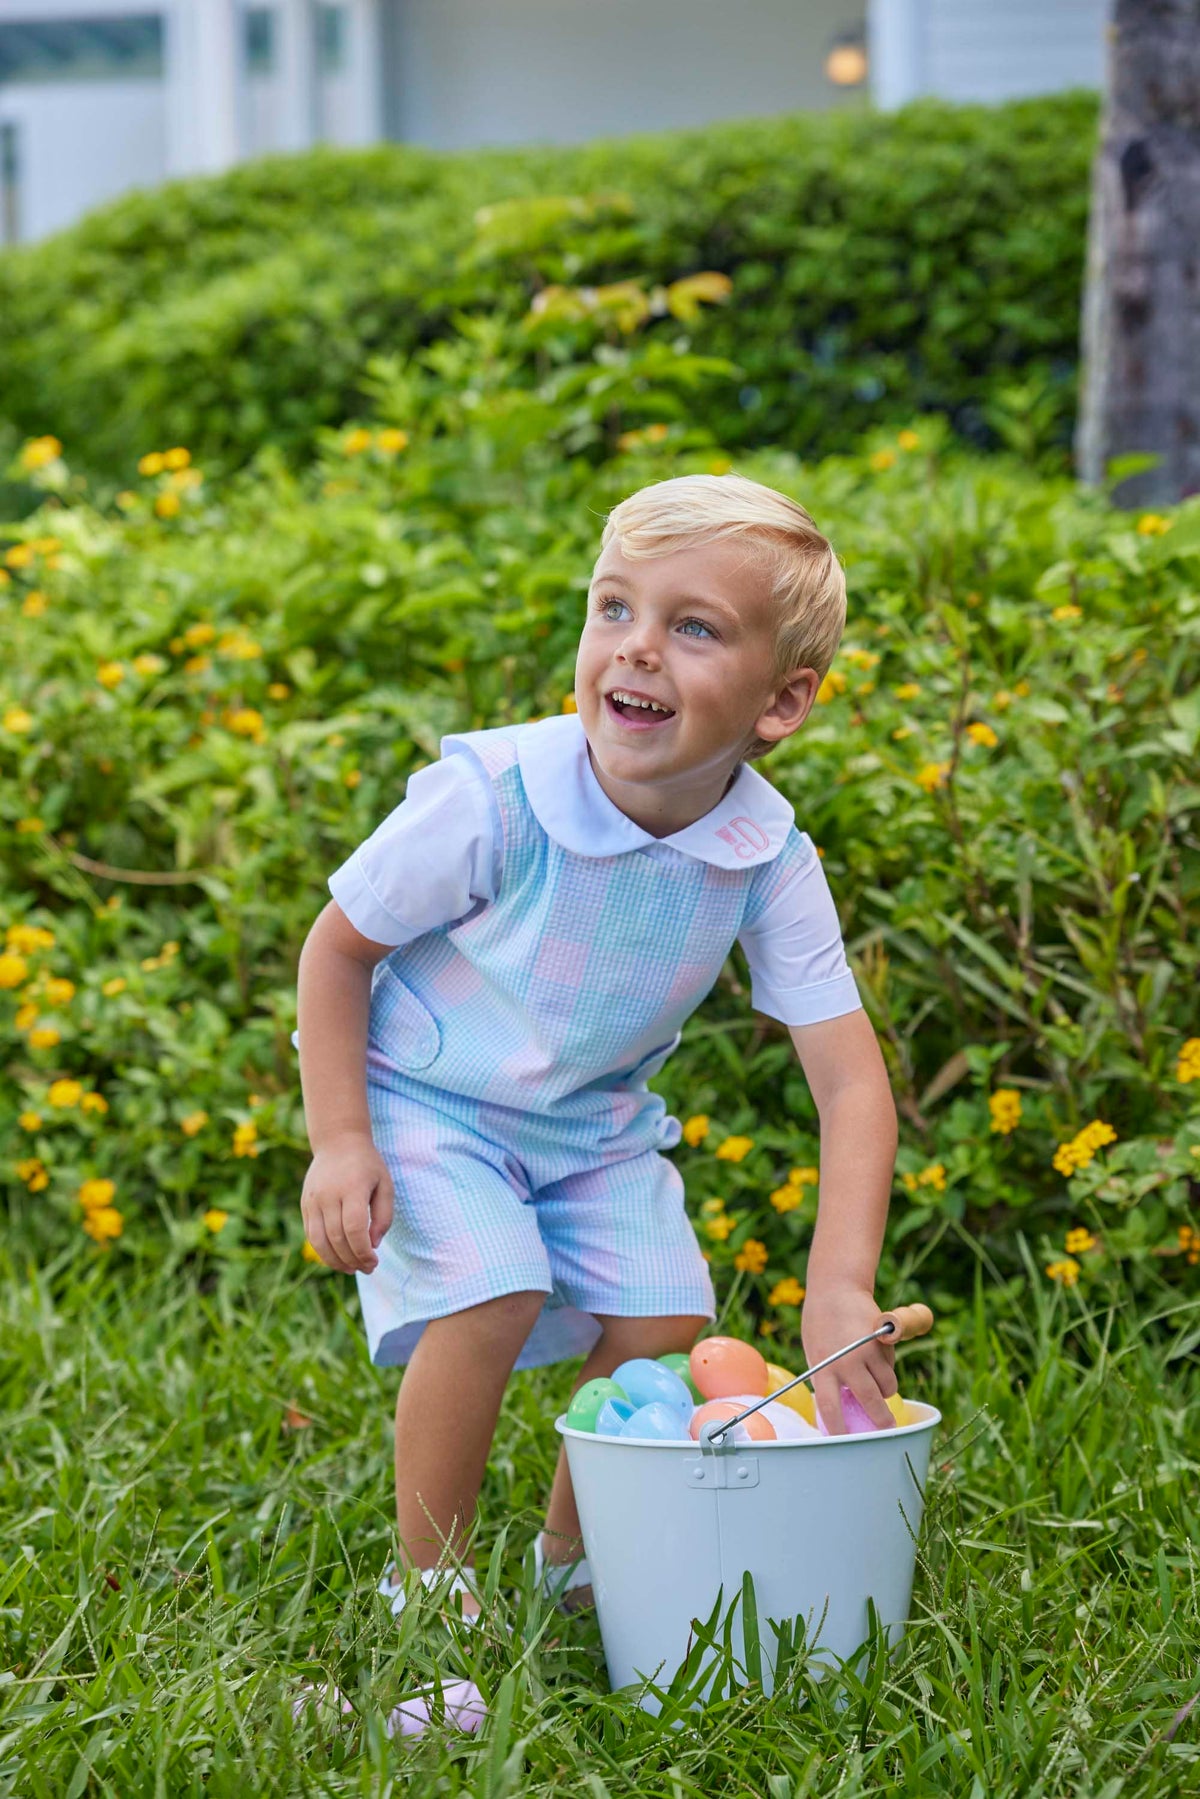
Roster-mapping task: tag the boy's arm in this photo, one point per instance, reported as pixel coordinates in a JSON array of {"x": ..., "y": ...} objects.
[{"x": 846, "y": 1074}]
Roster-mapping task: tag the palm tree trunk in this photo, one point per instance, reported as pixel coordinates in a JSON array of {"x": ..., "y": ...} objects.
[{"x": 1140, "y": 376}]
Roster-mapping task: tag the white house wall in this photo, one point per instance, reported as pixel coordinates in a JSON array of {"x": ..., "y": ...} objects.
[
  {"x": 984, "y": 50},
  {"x": 121, "y": 123},
  {"x": 478, "y": 72}
]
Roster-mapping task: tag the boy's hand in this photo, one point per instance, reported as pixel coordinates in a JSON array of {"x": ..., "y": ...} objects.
[
  {"x": 347, "y": 1203},
  {"x": 833, "y": 1317}
]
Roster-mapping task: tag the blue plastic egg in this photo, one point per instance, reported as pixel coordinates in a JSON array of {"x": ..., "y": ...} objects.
[
  {"x": 662, "y": 1422},
  {"x": 649, "y": 1383},
  {"x": 612, "y": 1415}
]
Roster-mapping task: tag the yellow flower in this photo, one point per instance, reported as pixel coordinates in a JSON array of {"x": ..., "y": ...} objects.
[
  {"x": 195, "y": 1121},
  {"x": 39, "y": 451},
  {"x": 65, "y": 1093},
  {"x": 59, "y": 990},
  {"x": 28, "y": 826},
  {"x": 1189, "y": 1241},
  {"x": 932, "y": 775},
  {"x": 910, "y": 1182},
  {"x": 30, "y": 1121},
  {"x": 244, "y": 1136},
  {"x": 45, "y": 1037},
  {"x": 787, "y": 1197},
  {"x": 751, "y": 1258},
  {"x": 1067, "y": 612},
  {"x": 901, "y": 733},
  {"x": 355, "y": 442},
  {"x": 20, "y": 556},
  {"x": 803, "y": 1177},
  {"x": 833, "y": 684},
  {"x": 278, "y": 690},
  {"x": 103, "y": 1224},
  {"x": 695, "y": 1129},
  {"x": 391, "y": 440},
  {"x": 907, "y": 690},
  {"x": 197, "y": 665},
  {"x": 719, "y": 1228},
  {"x": 34, "y": 603},
  {"x": 116, "y": 985},
  {"x": 1005, "y": 1107},
  {"x": 33, "y": 1173},
  {"x": 240, "y": 645},
  {"x": 570, "y": 703},
  {"x": 26, "y": 1016},
  {"x": 244, "y": 721},
  {"x": 983, "y": 735},
  {"x": 352, "y": 778},
  {"x": 177, "y": 458},
  {"x": 712, "y": 1208},
  {"x": 309, "y": 1253},
  {"x": 734, "y": 1149},
  {"x": 934, "y": 1176},
  {"x": 167, "y": 505},
  {"x": 908, "y": 440},
  {"x": 152, "y": 463},
  {"x": 1152, "y": 524},
  {"x": 717, "y": 465},
  {"x": 1079, "y": 1240},
  {"x": 96, "y": 1193},
  {"x": 882, "y": 459},
  {"x": 787, "y": 1292},
  {"x": 1082, "y": 1147},
  {"x": 127, "y": 500},
  {"x": 110, "y": 674},
  {"x": 1023, "y": 689},
  {"x": 864, "y": 659},
  {"x": 196, "y": 636},
  {"x": 13, "y": 969},
  {"x": 1096, "y": 1134},
  {"x": 215, "y": 1219},
  {"x": 1066, "y": 1271},
  {"x": 149, "y": 664},
  {"x": 1188, "y": 1066},
  {"x": 93, "y": 1102},
  {"x": 17, "y": 720}
]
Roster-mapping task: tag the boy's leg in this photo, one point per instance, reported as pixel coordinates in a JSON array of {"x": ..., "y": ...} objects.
[
  {"x": 621, "y": 1339},
  {"x": 446, "y": 1414}
]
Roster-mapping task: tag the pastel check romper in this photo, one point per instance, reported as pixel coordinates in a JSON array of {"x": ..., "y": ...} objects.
[{"x": 510, "y": 1045}]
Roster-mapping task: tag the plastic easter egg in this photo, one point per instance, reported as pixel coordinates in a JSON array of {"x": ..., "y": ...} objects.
[
  {"x": 665, "y": 1423},
  {"x": 855, "y": 1418},
  {"x": 649, "y": 1383},
  {"x": 800, "y": 1399},
  {"x": 899, "y": 1410},
  {"x": 584, "y": 1406},
  {"x": 723, "y": 1365},
  {"x": 789, "y": 1426},
  {"x": 680, "y": 1364},
  {"x": 612, "y": 1415},
  {"x": 716, "y": 1411}
]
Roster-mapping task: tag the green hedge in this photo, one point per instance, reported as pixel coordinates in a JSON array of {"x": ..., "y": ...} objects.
[
  {"x": 881, "y": 265},
  {"x": 223, "y": 687}
]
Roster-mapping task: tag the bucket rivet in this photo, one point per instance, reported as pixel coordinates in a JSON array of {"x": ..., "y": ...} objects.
[{"x": 743, "y": 1473}]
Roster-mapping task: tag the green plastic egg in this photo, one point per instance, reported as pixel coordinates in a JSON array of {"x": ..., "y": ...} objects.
[
  {"x": 680, "y": 1364},
  {"x": 585, "y": 1405}
]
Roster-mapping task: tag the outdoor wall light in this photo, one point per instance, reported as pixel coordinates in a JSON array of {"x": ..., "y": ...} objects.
[{"x": 846, "y": 60}]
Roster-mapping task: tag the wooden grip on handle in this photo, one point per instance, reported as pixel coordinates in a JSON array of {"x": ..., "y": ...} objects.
[{"x": 910, "y": 1321}]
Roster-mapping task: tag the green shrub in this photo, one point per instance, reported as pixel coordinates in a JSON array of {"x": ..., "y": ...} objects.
[
  {"x": 881, "y": 266},
  {"x": 224, "y": 684}
]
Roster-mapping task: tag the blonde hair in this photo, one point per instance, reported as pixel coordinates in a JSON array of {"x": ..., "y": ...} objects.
[{"x": 805, "y": 578}]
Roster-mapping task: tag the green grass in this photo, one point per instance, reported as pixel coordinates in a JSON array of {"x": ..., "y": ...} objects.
[{"x": 177, "y": 1559}]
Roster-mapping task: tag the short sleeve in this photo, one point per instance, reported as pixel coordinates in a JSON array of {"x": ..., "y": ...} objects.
[
  {"x": 793, "y": 942},
  {"x": 430, "y": 861}
]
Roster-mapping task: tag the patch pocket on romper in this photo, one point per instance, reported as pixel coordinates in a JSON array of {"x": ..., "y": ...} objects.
[
  {"x": 401, "y": 1024},
  {"x": 650, "y": 1065}
]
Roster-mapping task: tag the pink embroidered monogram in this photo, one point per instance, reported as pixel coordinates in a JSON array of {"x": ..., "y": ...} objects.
[{"x": 743, "y": 836}]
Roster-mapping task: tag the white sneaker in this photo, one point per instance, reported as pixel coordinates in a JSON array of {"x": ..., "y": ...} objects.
[
  {"x": 391, "y": 1588},
  {"x": 557, "y": 1579}
]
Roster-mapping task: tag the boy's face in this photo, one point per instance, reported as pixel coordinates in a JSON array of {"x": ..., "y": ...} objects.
[{"x": 693, "y": 631}]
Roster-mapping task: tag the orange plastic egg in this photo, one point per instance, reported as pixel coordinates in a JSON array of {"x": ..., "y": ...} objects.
[
  {"x": 723, "y": 1365},
  {"x": 718, "y": 1410}
]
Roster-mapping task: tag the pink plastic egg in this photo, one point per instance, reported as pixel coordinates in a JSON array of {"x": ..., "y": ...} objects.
[
  {"x": 855, "y": 1418},
  {"x": 718, "y": 1410},
  {"x": 723, "y": 1365}
]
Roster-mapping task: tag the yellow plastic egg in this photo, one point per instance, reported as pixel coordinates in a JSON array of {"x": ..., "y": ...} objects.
[
  {"x": 899, "y": 1410},
  {"x": 800, "y": 1399}
]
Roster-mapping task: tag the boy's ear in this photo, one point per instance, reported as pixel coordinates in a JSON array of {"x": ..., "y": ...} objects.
[{"x": 791, "y": 706}]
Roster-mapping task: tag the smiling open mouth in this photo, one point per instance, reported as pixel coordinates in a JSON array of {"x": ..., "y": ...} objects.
[{"x": 635, "y": 718}]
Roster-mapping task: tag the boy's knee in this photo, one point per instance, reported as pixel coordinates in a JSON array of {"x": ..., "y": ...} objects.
[
  {"x": 499, "y": 1321},
  {"x": 624, "y": 1338}
]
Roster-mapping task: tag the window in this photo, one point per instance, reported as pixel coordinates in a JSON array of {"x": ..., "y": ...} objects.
[
  {"x": 331, "y": 39},
  {"x": 259, "y": 30},
  {"x": 10, "y": 184},
  {"x": 82, "y": 49}
]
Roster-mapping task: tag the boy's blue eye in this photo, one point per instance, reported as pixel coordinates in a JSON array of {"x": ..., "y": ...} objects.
[{"x": 603, "y": 604}]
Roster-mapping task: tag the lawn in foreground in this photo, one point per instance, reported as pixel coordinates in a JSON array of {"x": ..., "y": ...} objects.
[{"x": 196, "y": 1504}]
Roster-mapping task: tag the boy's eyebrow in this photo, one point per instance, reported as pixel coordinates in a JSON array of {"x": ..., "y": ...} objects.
[{"x": 689, "y": 599}]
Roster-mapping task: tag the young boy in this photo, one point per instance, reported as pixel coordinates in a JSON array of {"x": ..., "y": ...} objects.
[{"x": 514, "y": 951}]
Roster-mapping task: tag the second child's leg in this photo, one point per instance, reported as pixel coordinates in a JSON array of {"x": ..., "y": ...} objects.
[{"x": 446, "y": 1414}]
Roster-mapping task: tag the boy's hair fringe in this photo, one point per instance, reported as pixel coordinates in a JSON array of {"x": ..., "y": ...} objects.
[{"x": 804, "y": 576}]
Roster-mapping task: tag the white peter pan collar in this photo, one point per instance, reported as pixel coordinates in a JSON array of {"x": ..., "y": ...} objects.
[{"x": 748, "y": 826}]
